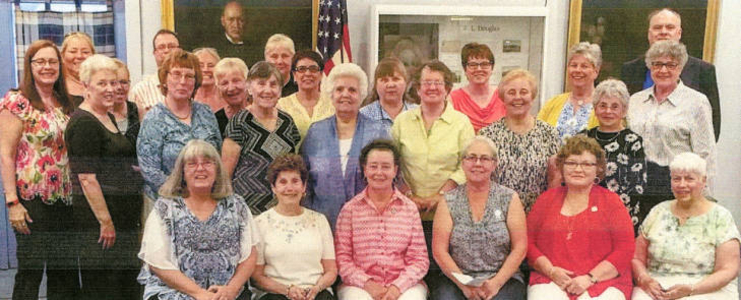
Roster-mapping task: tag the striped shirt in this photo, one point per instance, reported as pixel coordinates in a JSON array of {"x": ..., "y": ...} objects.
[
  {"x": 146, "y": 93},
  {"x": 387, "y": 246}
]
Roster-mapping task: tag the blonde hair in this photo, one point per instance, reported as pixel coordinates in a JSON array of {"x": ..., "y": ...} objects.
[
  {"x": 94, "y": 64},
  {"x": 279, "y": 40},
  {"x": 122, "y": 66},
  {"x": 77, "y": 35},
  {"x": 175, "y": 185},
  {"x": 592, "y": 52},
  {"x": 207, "y": 50},
  {"x": 518, "y": 74},
  {"x": 229, "y": 64}
]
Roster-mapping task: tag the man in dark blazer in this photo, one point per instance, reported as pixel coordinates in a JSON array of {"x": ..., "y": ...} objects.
[{"x": 666, "y": 24}]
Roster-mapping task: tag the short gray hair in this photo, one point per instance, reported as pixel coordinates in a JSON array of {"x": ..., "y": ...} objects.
[
  {"x": 612, "y": 88},
  {"x": 482, "y": 139},
  {"x": 279, "y": 40},
  {"x": 230, "y": 64},
  {"x": 688, "y": 162},
  {"x": 207, "y": 50},
  {"x": 591, "y": 52},
  {"x": 673, "y": 49},
  {"x": 94, "y": 64},
  {"x": 175, "y": 185},
  {"x": 347, "y": 70}
]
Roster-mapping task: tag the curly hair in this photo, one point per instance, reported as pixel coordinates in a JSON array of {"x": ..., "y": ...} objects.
[
  {"x": 578, "y": 144},
  {"x": 286, "y": 163}
]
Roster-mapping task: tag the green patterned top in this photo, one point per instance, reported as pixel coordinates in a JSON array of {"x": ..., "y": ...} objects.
[{"x": 687, "y": 249}]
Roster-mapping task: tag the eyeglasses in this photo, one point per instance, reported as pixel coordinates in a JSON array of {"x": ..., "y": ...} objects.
[
  {"x": 163, "y": 47},
  {"x": 574, "y": 164},
  {"x": 433, "y": 83},
  {"x": 658, "y": 65},
  {"x": 177, "y": 76},
  {"x": 206, "y": 164},
  {"x": 483, "y": 159},
  {"x": 303, "y": 69},
  {"x": 40, "y": 62},
  {"x": 481, "y": 65},
  {"x": 615, "y": 107}
]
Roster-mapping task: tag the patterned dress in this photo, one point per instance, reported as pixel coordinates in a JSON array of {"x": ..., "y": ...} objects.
[
  {"x": 259, "y": 147},
  {"x": 208, "y": 252},
  {"x": 625, "y": 172},
  {"x": 523, "y": 159},
  {"x": 468, "y": 237}
]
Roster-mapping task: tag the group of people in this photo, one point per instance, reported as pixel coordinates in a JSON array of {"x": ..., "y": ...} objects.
[{"x": 463, "y": 195}]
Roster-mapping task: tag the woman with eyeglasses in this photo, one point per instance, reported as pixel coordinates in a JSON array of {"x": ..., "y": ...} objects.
[
  {"x": 309, "y": 104},
  {"x": 478, "y": 99},
  {"x": 200, "y": 241},
  {"x": 580, "y": 237},
  {"x": 572, "y": 112},
  {"x": 480, "y": 214},
  {"x": 672, "y": 118},
  {"x": 76, "y": 47},
  {"x": 36, "y": 175},
  {"x": 127, "y": 114},
  {"x": 625, "y": 171},
  {"x": 170, "y": 124},
  {"x": 430, "y": 138},
  {"x": 525, "y": 144}
]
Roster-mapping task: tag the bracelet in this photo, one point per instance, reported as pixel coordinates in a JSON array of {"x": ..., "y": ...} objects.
[
  {"x": 692, "y": 290},
  {"x": 288, "y": 289}
]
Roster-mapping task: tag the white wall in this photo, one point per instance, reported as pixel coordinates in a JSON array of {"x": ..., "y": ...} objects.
[
  {"x": 143, "y": 20},
  {"x": 728, "y": 67}
]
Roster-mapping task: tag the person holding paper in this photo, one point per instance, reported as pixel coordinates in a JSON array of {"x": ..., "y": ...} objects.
[{"x": 477, "y": 215}]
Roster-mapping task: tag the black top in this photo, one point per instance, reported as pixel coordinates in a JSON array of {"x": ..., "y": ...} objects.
[
  {"x": 132, "y": 115},
  {"x": 93, "y": 149},
  {"x": 289, "y": 88},
  {"x": 222, "y": 120}
]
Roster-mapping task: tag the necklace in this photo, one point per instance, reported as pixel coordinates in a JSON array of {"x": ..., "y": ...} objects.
[
  {"x": 570, "y": 227},
  {"x": 176, "y": 115},
  {"x": 605, "y": 141}
]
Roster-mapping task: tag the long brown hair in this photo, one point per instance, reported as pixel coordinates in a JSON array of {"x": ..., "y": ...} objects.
[
  {"x": 28, "y": 85},
  {"x": 388, "y": 67}
]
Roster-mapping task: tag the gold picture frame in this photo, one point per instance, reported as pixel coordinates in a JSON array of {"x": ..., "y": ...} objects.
[
  {"x": 696, "y": 35},
  {"x": 168, "y": 18}
]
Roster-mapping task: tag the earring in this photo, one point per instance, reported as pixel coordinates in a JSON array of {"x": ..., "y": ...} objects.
[{"x": 597, "y": 180}]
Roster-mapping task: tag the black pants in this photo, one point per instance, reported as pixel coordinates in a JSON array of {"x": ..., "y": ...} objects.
[
  {"x": 323, "y": 295},
  {"x": 49, "y": 245}
]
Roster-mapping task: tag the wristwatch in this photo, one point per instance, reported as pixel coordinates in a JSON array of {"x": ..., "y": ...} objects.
[
  {"x": 592, "y": 278},
  {"x": 10, "y": 203}
]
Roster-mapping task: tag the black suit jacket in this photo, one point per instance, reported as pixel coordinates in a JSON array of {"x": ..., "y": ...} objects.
[{"x": 696, "y": 74}]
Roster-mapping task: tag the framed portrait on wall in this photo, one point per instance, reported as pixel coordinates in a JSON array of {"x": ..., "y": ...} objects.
[
  {"x": 620, "y": 28},
  {"x": 240, "y": 28}
]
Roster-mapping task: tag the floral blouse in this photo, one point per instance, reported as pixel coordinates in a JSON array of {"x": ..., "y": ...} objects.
[
  {"x": 697, "y": 238},
  {"x": 208, "y": 252},
  {"x": 570, "y": 123},
  {"x": 625, "y": 172},
  {"x": 41, "y": 164}
]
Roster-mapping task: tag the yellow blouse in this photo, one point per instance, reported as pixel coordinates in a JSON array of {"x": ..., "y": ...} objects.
[{"x": 293, "y": 107}]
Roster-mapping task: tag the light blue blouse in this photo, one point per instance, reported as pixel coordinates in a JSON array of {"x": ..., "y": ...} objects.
[
  {"x": 328, "y": 189},
  {"x": 161, "y": 137}
]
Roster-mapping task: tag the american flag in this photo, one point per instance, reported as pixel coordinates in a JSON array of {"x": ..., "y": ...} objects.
[{"x": 333, "y": 36}]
